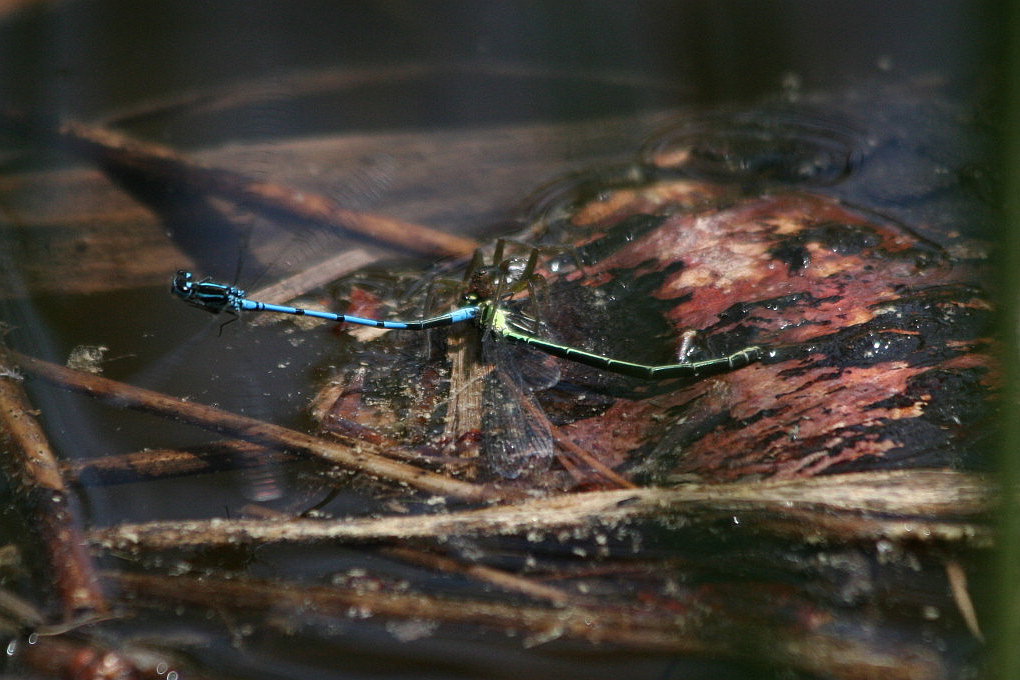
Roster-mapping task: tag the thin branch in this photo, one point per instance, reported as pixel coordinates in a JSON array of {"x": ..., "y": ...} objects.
[
  {"x": 310, "y": 278},
  {"x": 480, "y": 572},
  {"x": 647, "y": 631},
  {"x": 961, "y": 596},
  {"x": 152, "y": 464},
  {"x": 908, "y": 506},
  {"x": 359, "y": 457},
  {"x": 32, "y": 468}
]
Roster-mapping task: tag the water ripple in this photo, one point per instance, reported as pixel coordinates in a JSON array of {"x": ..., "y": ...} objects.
[{"x": 779, "y": 145}]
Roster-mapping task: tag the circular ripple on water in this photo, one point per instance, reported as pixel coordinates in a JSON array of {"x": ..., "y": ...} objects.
[{"x": 778, "y": 145}]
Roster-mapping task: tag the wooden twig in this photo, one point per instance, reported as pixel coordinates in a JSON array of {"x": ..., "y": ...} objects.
[
  {"x": 908, "y": 506},
  {"x": 157, "y": 162},
  {"x": 480, "y": 572},
  {"x": 32, "y": 469},
  {"x": 961, "y": 596},
  {"x": 652, "y": 631},
  {"x": 152, "y": 464},
  {"x": 359, "y": 457},
  {"x": 711, "y": 632},
  {"x": 313, "y": 277}
]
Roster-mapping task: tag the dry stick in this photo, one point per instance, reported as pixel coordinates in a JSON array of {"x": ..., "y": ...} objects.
[
  {"x": 159, "y": 162},
  {"x": 904, "y": 506},
  {"x": 631, "y": 628},
  {"x": 32, "y": 468},
  {"x": 214, "y": 419}
]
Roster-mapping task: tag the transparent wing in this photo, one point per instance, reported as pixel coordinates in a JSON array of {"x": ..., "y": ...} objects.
[
  {"x": 537, "y": 370},
  {"x": 515, "y": 437}
]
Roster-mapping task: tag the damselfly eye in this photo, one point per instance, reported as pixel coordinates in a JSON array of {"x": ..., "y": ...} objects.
[{"x": 181, "y": 282}]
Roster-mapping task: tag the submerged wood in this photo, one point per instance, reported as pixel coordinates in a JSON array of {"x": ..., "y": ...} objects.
[
  {"x": 63, "y": 658},
  {"x": 31, "y": 467},
  {"x": 99, "y": 238},
  {"x": 156, "y": 162},
  {"x": 878, "y": 341},
  {"x": 360, "y": 457},
  {"x": 911, "y": 506},
  {"x": 497, "y": 577},
  {"x": 717, "y": 633},
  {"x": 152, "y": 464}
]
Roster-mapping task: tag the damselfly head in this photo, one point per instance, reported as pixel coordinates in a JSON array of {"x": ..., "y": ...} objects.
[
  {"x": 481, "y": 285},
  {"x": 205, "y": 294},
  {"x": 181, "y": 284}
]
